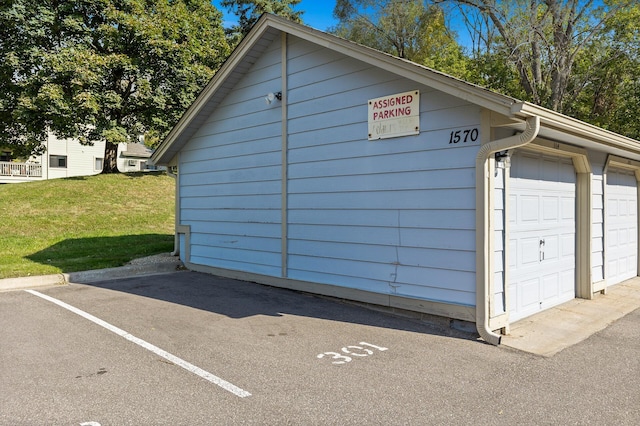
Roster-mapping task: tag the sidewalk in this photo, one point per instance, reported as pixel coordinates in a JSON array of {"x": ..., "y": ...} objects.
[
  {"x": 151, "y": 265},
  {"x": 555, "y": 329}
]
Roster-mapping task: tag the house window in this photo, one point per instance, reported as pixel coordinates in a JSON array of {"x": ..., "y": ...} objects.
[
  {"x": 59, "y": 161},
  {"x": 132, "y": 163},
  {"x": 99, "y": 164}
]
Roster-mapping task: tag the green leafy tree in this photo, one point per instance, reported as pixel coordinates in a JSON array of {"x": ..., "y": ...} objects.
[
  {"x": 540, "y": 41},
  {"x": 249, "y": 11},
  {"x": 109, "y": 70},
  {"x": 605, "y": 88},
  {"x": 405, "y": 28}
]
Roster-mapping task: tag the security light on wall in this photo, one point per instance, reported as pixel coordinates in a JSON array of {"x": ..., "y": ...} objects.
[
  {"x": 271, "y": 96},
  {"x": 503, "y": 156},
  {"x": 503, "y": 159}
]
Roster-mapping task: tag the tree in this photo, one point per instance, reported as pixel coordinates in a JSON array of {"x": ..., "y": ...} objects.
[
  {"x": 404, "y": 28},
  {"x": 605, "y": 88},
  {"x": 109, "y": 70},
  {"x": 249, "y": 11},
  {"x": 542, "y": 39}
]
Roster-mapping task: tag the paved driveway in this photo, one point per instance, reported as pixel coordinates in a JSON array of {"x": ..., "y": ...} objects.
[{"x": 189, "y": 349}]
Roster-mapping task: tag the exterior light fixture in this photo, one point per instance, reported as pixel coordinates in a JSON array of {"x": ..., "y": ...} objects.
[
  {"x": 503, "y": 156},
  {"x": 503, "y": 159},
  {"x": 272, "y": 96}
]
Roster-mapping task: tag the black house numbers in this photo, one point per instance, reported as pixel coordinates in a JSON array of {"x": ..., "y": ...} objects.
[{"x": 463, "y": 136}]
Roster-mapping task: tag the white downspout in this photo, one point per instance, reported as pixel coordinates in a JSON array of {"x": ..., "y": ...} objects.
[{"x": 483, "y": 216}]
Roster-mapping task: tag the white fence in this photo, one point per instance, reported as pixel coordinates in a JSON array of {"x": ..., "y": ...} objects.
[{"x": 20, "y": 169}]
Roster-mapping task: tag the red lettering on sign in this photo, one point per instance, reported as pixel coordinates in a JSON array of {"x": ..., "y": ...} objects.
[
  {"x": 391, "y": 102},
  {"x": 392, "y": 113}
]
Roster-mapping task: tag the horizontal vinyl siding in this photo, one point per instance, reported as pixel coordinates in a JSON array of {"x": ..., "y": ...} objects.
[
  {"x": 394, "y": 216},
  {"x": 597, "y": 229},
  {"x": 598, "y": 161},
  {"x": 500, "y": 302},
  {"x": 81, "y": 159},
  {"x": 230, "y": 177}
]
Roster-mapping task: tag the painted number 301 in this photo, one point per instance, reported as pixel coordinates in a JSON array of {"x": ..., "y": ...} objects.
[
  {"x": 351, "y": 351},
  {"x": 468, "y": 135}
]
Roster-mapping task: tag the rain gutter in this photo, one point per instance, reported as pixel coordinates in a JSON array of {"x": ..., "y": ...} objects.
[{"x": 483, "y": 223}]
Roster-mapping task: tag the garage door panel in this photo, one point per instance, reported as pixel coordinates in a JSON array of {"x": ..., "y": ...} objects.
[
  {"x": 530, "y": 209},
  {"x": 550, "y": 287},
  {"x": 567, "y": 286},
  {"x": 550, "y": 209},
  {"x": 550, "y": 249},
  {"x": 612, "y": 269},
  {"x": 568, "y": 247},
  {"x": 542, "y": 233},
  {"x": 621, "y": 223},
  {"x": 568, "y": 212},
  {"x": 530, "y": 291},
  {"x": 623, "y": 237},
  {"x": 513, "y": 249},
  {"x": 529, "y": 251},
  {"x": 623, "y": 210}
]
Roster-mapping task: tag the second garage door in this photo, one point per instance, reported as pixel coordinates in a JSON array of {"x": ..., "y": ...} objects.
[
  {"x": 541, "y": 233},
  {"x": 622, "y": 226}
]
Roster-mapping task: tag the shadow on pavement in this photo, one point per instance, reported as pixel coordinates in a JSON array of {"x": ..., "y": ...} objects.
[{"x": 241, "y": 299}]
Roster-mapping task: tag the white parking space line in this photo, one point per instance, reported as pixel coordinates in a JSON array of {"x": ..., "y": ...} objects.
[{"x": 156, "y": 350}]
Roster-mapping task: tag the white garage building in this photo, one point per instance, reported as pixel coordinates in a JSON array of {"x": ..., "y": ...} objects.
[{"x": 313, "y": 163}]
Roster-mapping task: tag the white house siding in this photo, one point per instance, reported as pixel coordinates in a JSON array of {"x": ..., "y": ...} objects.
[
  {"x": 230, "y": 177},
  {"x": 499, "y": 301},
  {"x": 81, "y": 159},
  {"x": 597, "y": 160},
  {"x": 394, "y": 216}
]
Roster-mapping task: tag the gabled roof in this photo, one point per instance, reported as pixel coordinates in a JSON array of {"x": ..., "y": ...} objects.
[
  {"x": 269, "y": 27},
  {"x": 136, "y": 150}
]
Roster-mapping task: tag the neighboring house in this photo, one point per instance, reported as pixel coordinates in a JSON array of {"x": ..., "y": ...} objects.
[
  {"x": 314, "y": 163},
  {"x": 133, "y": 157},
  {"x": 62, "y": 158}
]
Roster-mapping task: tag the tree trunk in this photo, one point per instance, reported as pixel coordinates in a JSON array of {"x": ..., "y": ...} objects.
[{"x": 110, "y": 164}]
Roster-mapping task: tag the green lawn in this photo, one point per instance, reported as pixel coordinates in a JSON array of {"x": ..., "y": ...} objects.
[{"x": 84, "y": 223}]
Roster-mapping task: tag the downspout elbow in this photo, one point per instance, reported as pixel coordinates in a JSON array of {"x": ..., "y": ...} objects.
[
  {"x": 482, "y": 289},
  {"x": 530, "y": 132}
]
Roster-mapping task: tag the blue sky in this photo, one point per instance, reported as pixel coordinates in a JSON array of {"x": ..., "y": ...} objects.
[{"x": 317, "y": 13}]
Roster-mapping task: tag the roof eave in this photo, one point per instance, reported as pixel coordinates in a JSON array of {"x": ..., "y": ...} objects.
[{"x": 557, "y": 121}]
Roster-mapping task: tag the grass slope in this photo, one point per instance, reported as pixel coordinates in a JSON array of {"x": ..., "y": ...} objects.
[{"x": 84, "y": 223}]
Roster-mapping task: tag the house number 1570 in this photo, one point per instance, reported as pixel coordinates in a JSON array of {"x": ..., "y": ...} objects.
[{"x": 468, "y": 135}]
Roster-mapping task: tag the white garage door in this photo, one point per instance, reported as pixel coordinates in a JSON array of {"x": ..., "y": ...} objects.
[
  {"x": 622, "y": 226},
  {"x": 541, "y": 233}
]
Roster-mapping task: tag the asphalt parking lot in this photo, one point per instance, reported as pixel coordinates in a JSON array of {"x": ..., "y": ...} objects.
[{"x": 187, "y": 348}]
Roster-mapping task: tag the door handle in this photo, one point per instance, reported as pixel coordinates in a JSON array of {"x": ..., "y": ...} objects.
[{"x": 541, "y": 250}]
